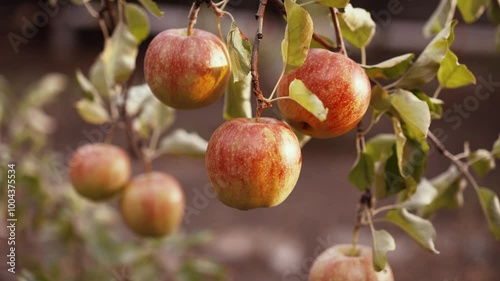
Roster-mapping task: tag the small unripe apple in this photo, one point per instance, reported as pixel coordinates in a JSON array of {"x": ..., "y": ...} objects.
[
  {"x": 99, "y": 171},
  {"x": 152, "y": 204},
  {"x": 339, "y": 82},
  {"x": 253, "y": 164},
  {"x": 187, "y": 72},
  {"x": 340, "y": 263}
]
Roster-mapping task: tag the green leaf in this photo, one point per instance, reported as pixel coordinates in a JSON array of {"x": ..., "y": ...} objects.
[
  {"x": 389, "y": 69},
  {"x": 119, "y": 54},
  {"x": 435, "y": 105},
  {"x": 427, "y": 64},
  {"x": 334, "y": 3},
  {"x": 382, "y": 243},
  {"x": 449, "y": 186},
  {"x": 496, "y": 148},
  {"x": 423, "y": 196},
  {"x": 307, "y": 99},
  {"x": 380, "y": 99},
  {"x": 201, "y": 269},
  {"x": 421, "y": 230},
  {"x": 97, "y": 75},
  {"x": 357, "y": 26},
  {"x": 154, "y": 115},
  {"x": 380, "y": 146},
  {"x": 138, "y": 96},
  {"x": 303, "y": 138},
  {"x": 182, "y": 143},
  {"x": 482, "y": 161},
  {"x": 414, "y": 112},
  {"x": 237, "y": 100},
  {"x": 494, "y": 12},
  {"x": 137, "y": 21},
  {"x": 471, "y": 10},
  {"x": 362, "y": 172},
  {"x": 440, "y": 18},
  {"x": 316, "y": 44},
  {"x": 240, "y": 52},
  {"x": 89, "y": 91},
  {"x": 491, "y": 208},
  {"x": 151, "y": 6},
  {"x": 388, "y": 180},
  {"x": 92, "y": 112},
  {"x": 452, "y": 74},
  {"x": 45, "y": 90},
  {"x": 298, "y": 34}
]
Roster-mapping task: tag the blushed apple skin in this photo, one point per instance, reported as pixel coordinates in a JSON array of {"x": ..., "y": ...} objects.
[
  {"x": 252, "y": 165},
  {"x": 339, "y": 82},
  {"x": 187, "y": 72},
  {"x": 152, "y": 204},
  {"x": 335, "y": 265},
  {"x": 99, "y": 171}
]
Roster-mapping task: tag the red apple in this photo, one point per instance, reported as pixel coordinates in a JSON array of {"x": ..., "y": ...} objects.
[
  {"x": 339, "y": 82},
  {"x": 339, "y": 263},
  {"x": 98, "y": 171},
  {"x": 187, "y": 72},
  {"x": 253, "y": 164},
  {"x": 152, "y": 204}
]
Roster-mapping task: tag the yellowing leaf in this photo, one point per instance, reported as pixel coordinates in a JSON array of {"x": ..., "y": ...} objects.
[
  {"x": 237, "y": 100},
  {"x": 440, "y": 18},
  {"x": 334, "y": 3},
  {"x": 471, "y": 10},
  {"x": 491, "y": 207},
  {"x": 151, "y": 6},
  {"x": 92, "y": 112},
  {"x": 451, "y": 74},
  {"x": 240, "y": 52},
  {"x": 298, "y": 36},
  {"x": 482, "y": 161},
  {"x": 307, "y": 99},
  {"x": 137, "y": 21},
  {"x": 357, "y": 26}
]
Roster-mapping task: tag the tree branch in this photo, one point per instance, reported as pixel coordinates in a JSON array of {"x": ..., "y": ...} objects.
[
  {"x": 338, "y": 32},
  {"x": 262, "y": 103}
]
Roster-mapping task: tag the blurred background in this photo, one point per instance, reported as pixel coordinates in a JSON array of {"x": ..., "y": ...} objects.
[{"x": 280, "y": 243}]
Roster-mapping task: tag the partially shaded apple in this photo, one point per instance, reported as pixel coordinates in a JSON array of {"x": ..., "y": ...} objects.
[
  {"x": 253, "y": 164},
  {"x": 152, "y": 204},
  {"x": 187, "y": 72},
  {"x": 339, "y": 82},
  {"x": 99, "y": 171},
  {"x": 341, "y": 263}
]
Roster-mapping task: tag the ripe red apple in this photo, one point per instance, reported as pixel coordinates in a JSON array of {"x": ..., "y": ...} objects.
[
  {"x": 152, "y": 204},
  {"x": 187, "y": 72},
  {"x": 98, "y": 171},
  {"x": 339, "y": 263},
  {"x": 253, "y": 164},
  {"x": 339, "y": 82}
]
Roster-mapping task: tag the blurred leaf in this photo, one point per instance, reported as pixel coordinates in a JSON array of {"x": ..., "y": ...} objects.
[
  {"x": 39, "y": 121},
  {"x": 180, "y": 142},
  {"x": 435, "y": 105},
  {"x": 449, "y": 186},
  {"x": 44, "y": 90},
  {"x": 307, "y": 99},
  {"x": 97, "y": 75},
  {"x": 491, "y": 208},
  {"x": 362, "y": 172},
  {"x": 334, "y": 3},
  {"x": 496, "y": 148},
  {"x": 389, "y": 69},
  {"x": 424, "y": 195},
  {"x": 317, "y": 45},
  {"x": 138, "y": 96},
  {"x": 240, "y": 52},
  {"x": 237, "y": 100},
  {"x": 380, "y": 146},
  {"x": 471, "y": 10},
  {"x": 151, "y": 6},
  {"x": 137, "y": 21},
  {"x": 380, "y": 99},
  {"x": 440, "y": 18},
  {"x": 382, "y": 243},
  {"x": 92, "y": 112},
  {"x": 414, "y": 112},
  {"x": 425, "y": 68},
  {"x": 481, "y": 161},
  {"x": 89, "y": 91},
  {"x": 421, "y": 230},
  {"x": 494, "y": 12},
  {"x": 154, "y": 116},
  {"x": 452, "y": 74},
  {"x": 357, "y": 26},
  {"x": 298, "y": 36},
  {"x": 198, "y": 269}
]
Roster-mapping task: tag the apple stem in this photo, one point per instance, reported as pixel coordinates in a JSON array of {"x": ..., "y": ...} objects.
[
  {"x": 193, "y": 16},
  {"x": 262, "y": 102},
  {"x": 338, "y": 33}
]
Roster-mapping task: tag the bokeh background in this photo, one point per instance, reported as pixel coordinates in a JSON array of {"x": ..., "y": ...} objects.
[{"x": 280, "y": 243}]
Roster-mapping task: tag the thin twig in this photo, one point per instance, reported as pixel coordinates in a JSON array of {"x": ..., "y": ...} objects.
[
  {"x": 193, "y": 16},
  {"x": 262, "y": 103},
  {"x": 109, "y": 8},
  {"x": 462, "y": 167},
  {"x": 338, "y": 33}
]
